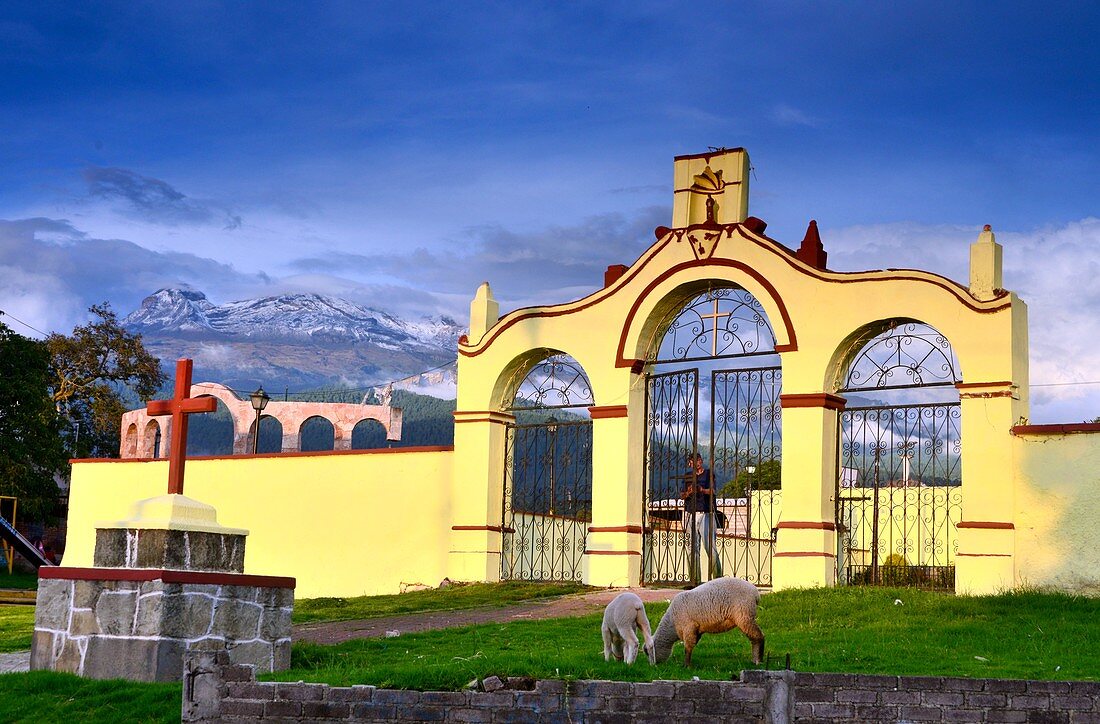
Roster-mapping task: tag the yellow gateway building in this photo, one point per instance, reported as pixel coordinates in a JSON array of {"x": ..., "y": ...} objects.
[{"x": 855, "y": 428}]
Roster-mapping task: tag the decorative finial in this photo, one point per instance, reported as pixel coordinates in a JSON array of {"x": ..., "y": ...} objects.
[{"x": 812, "y": 251}]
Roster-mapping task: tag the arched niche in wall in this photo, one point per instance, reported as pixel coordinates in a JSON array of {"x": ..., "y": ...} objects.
[
  {"x": 211, "y": 433},
  {"x": 368, "y": 434},
  {"x": 317, "y": 435}
]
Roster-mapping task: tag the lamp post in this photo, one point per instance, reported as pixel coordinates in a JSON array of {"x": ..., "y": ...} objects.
[{"x": 259, "y": 402}]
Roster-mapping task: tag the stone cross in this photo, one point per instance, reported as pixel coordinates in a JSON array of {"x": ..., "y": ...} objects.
[
  {"x": 714, "y": 337},
  {"x": 179, "y": 407}
]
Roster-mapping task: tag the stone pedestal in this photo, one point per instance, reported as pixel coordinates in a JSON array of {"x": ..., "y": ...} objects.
[{"x": 156, "y": 593}]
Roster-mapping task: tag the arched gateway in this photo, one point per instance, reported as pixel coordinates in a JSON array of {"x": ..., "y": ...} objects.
[{"x": 712, "y": 389}]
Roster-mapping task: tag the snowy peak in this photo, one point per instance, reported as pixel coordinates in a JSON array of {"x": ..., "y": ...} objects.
[
  {"x": 172, "y": 310},
  {"x": 291, "y": 317}
]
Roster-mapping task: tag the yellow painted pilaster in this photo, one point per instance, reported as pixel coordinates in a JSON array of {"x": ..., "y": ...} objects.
[
  {"x": 477, "y": 489},
  {"x": 613, "y": 550},
  {"x": 805, "y": 549}
]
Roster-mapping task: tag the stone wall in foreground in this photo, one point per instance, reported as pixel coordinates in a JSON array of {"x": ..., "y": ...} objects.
[{"x": 217, "y": 690}]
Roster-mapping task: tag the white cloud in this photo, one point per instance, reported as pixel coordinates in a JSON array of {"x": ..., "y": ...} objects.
[{"x": 1054, "y": 269}]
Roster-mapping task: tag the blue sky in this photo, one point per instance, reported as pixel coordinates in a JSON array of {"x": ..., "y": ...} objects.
[{"x": 399, "y": 154}]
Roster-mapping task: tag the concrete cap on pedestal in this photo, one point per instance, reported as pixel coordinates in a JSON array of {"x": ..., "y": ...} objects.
[{"x": 173, "y": 512}]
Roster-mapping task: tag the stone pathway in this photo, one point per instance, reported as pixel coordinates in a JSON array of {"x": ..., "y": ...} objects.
[
  {"x": 334, "y": 632},
  {"x": 14, "y": 663}
]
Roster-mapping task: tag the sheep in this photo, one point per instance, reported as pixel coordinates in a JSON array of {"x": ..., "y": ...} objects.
[
  {"x": 620, "y": 619},
  {"x": 713, "y": 607}
]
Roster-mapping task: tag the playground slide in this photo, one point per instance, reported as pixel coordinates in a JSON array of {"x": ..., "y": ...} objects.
[{"x": 22, "y": 546}]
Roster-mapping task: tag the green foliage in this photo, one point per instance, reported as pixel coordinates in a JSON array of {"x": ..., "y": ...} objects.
[
  {"x": 31, "y": 451},
  {"x": 471, "y": 595},
  {"x": 765, "y": 476},
  {"x": 17, "y": 580},
  {"x": 92, "y": 367},
  {"x": 426, "y": 420},
  {"x": 45, "y": 696}
]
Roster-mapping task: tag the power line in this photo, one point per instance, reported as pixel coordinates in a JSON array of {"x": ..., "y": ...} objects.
[
  {"x": 9, "y": 315},
  {"x": 1065, "y": 384}
]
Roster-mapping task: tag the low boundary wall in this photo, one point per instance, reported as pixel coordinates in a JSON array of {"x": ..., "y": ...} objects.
[{"x": 215, "y": 690}]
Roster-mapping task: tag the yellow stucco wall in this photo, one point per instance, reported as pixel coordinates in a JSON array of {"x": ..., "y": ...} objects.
[
  {"x": 1058, "y": 514},
  {"x": 342, "y": 524}
]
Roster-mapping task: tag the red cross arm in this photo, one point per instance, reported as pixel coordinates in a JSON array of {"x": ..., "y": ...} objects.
[
  {"x": 159, "y": 407},
  {"x": 199, "y": 404}
]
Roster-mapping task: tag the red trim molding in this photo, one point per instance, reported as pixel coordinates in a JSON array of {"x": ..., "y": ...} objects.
[
  {"x": 612, "y": 553},
  {"x": 812, "y": 399},
  {"x": 1067, "y": 429},
  {"x": 292, "y": 454},
  {"x": 600, "y": 412},
  {"x": 615, "y": 529},
  {"x": 973, "y": 385},
  {"x": 155, "y": 574},
  {"x": 804, "y": 554},
  {"x": 489, "y": 528},
  {"x": 807, "y": 525},
  {"x": 986, "y": 524}
]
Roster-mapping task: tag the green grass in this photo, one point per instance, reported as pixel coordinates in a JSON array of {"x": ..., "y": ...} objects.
[
  {"x": 43, "y": 696},
  {"x": 473, "y": 595},
  {"x": 16, "y": 627},
  {"x": 18, "y": 580},
  {"x": 1020, "y": 635}
]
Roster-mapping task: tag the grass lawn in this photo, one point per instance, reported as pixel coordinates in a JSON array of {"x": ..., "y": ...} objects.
[
  {"x": 16, "y": 627},
  {"x": 43, "y": 696},
  {"x": 473, "y": 595},
  {"x": 18, "y": 580},
  {"x": 1022, "y": 636}
]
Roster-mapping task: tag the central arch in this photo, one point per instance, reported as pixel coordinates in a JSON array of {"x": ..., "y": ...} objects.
[{"x": 713, "y": 381}]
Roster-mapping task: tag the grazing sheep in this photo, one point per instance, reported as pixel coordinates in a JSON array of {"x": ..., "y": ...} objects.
[
  {"x": 620, "y": 619},
  {"x": 712, "y": 607}
]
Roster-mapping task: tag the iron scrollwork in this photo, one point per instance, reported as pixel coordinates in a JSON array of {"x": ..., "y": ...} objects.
[
  {"x": 555, "y": 382},
  {"x": 905, "y": 355},
  {"x": 723, "y": 322}
]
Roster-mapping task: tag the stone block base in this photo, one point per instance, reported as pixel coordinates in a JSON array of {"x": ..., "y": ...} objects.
[{"x": 138, "y": 624}]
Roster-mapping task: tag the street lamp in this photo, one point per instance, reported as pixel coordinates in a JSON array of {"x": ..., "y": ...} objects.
[{"x": 259, "y": 402}]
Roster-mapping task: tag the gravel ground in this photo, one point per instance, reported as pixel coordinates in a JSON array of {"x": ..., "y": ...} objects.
[{"x": 334, "y": 632}]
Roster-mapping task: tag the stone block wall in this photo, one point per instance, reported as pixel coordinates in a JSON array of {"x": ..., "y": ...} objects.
[
  {"x": 217, "y": 690},
  {"x": 141, "y": 629},
  {"x": 180, "y": 550}
]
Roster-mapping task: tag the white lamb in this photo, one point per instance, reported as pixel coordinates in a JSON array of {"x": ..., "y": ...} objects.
[
  {"x": 713, "y": 607},
  {"x": 620, "y": 619}
]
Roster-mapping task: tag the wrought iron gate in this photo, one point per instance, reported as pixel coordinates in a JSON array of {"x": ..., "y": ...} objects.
[
  {"x": 547, "y": 500},
  {"x": 899, "y": 487},
  {"x": 742, "y": 443}
]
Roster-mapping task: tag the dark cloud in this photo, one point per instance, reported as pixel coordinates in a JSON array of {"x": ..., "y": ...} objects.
[
  {"x": 155, "y": 201},
  {"x": 518, "y": 264}
]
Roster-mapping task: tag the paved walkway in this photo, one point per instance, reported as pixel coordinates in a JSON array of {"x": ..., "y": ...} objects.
[
  {"x": 13, "y": 663},
  {"x": 334, "y": 632}
]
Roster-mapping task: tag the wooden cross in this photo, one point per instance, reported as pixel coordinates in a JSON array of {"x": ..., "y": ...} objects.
[
  {"x": 714, "y": 337},
  {"x": 179, "y": 407}
]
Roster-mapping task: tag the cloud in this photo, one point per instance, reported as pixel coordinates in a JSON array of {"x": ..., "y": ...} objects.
[
  {"x": 155, "y": 201},
  {"x": 1053, "y": 269},
  {"x": 786, "y": 115},
  {"x": 527, "y": 265},
  {"x": 50, "y": 272}
]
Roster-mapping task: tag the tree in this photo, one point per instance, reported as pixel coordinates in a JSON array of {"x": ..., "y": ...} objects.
[
  {"x": 92, "y": 368},
  {"x": 765, "y": 476},
  {"x": 31, "y": 450}
]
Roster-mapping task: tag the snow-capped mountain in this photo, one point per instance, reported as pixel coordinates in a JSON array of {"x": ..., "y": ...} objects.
[
  {"x": 295, "y": 317},
  {"x": 292, "y": 340}
]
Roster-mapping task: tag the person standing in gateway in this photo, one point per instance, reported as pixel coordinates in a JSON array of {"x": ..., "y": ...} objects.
[{"x": 698, "y": 497}]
